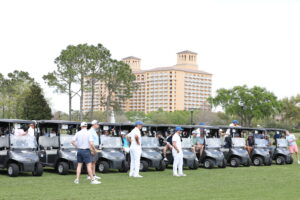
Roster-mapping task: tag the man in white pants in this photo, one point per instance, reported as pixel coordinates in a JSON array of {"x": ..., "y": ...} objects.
[
  {"x": 134, "y": 137},
  {"x": 177, "y": 153}
]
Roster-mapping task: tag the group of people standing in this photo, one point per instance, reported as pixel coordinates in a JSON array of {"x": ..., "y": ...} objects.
[{"x": 87, "y": 142}]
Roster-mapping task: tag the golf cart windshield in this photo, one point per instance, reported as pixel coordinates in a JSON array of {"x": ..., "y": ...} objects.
[
  {"x": 65, "y": 141},
  {"x": 150, "y": 142},
  {"x": 260, "y": 143},
  {"x": 213, "y": 142},
  {"x": 238, "y": 142},
  {"x": 186, "y": 143},
  {"x": 282, "y": 143},
  {"x": 111, "y": 142},
  {"x": 23, "y": 142}
]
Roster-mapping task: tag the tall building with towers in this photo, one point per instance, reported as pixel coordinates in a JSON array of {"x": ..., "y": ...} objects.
[{"x": 179, "y": 87}]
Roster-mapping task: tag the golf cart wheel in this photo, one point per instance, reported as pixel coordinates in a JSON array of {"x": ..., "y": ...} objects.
[
  {"x": 144, "y": 165},
  {"x": 248, "y": 163},
  {"x": 38, "y": 170},
  {"x": 125, "y": 167},
  {"x": 103, "y": 167},
  {"x": 280, "y": 160},
  {"x": 13, "y": 170},
  {"x": 289, "y": 160},
  {"x": 63, "y": 168},
  {"x": 257, "y": 161},
  {"x": 268, "y": 162},
  {"x": 208, "y": 163},
  {"x": 224, "y": 164},
  {"x": 195, "y": 165},
  {"x": 162, "y": 166},
  {"x": 235, "y": 162}
]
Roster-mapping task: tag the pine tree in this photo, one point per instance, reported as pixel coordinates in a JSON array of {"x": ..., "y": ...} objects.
[{"x": 35, "y": 106}]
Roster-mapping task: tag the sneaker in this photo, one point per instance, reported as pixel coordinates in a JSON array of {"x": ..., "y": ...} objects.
[
  {"x": 175, "y": 175},
  {"x": 130, "y": 174},
  {"x": 138, "y": 176},
  {"x": 76, "y": 181},
  {"x": 298, "y": 162},
  {"x": 165, "y": 159},
  {"x": 182, "y": 175},
  {"x": 97, "y": 177},
  {"x": 95, "y": 182}
]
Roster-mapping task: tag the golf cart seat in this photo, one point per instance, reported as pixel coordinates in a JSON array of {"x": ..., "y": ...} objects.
[
  {"x": 48, "y": 142},
  {"x": 4, "y": 142},
  {"x": 224, "y": 149}
]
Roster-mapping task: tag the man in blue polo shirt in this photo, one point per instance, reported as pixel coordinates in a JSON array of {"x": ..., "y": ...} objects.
[{"x": 83, "y": 141}]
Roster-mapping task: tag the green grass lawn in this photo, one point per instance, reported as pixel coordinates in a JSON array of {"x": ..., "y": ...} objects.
[{"x": 274, "y": 182}]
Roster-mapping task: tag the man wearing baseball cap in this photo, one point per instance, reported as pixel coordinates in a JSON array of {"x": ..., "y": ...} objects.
[
  {"x": 93, "y": 132},
  {"x": 177, "y": 153},
  {"x": 134, "y": 137},
  {"x": 83, "y": 141}
]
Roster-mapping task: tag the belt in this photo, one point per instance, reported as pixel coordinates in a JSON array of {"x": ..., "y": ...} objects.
[{"x": 83, "y": 149}]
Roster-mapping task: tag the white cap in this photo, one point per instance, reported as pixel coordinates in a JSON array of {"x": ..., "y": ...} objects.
[
  {"x": 95, "y": 122},
  {"x": 83, "y": 124},
  {"x": 123, "y": 133}
]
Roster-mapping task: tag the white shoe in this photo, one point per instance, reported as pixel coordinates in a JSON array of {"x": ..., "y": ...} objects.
[
  {"x": 130, "y": 174},
  {"x": 138, "y": 176},
  {"x": 175, "y": 175},
  {"x": 165, "y": 159},
  {"x": 298, "y": 162},
  {"x": 76, "y": 181},
  {"x": 95, "y": 182},
  {"x": 97, "y": 177},
  {"x": 182, "y": 175}
]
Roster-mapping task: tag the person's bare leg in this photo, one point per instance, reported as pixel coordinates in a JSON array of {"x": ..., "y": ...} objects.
[
  {"x": 89, "y": 169},
  {"x": 165, "y": 151},
  {"x": 78, "y": 170},
  {"x": 201, "y": 150},
  {"x": 94, "y": 168}
]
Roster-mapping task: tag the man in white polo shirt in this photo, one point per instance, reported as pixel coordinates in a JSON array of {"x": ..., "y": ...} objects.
[
  {"x": 93, "y": 132},
  {"x": 134, "y": 137},
  {"x": 177, "y": 153},
  {"x": 83, "y": 141}
]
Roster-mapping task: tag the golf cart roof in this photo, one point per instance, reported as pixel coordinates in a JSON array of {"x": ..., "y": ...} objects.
[
  {"x": 241, "y": 128},
  {"x": 275, "y": 129},
  {"x": 16, "y": 121},
  {"x": 206, "y": 127},
  {"x": 57, "y": 122}
]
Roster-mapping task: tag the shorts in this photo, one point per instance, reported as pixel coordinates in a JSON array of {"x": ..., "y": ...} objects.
[
  {"x": 84, "y": 156},
  {"x": 95, "y": 157},
  {"x": 293, "y": 148}
]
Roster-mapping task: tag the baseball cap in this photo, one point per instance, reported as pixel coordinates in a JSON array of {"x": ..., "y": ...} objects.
[
  {"x": 178, "y": 128},
  {"x": 201, "y": 123},
  {"x": 138, "y": 123},
  {"x": 83, "y": 124},
  {"x": 235, "y": 121},
  {"x": 95, "y": 122}
]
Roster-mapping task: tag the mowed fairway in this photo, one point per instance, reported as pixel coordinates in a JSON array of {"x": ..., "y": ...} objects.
[{"x": 275, "y": 182}]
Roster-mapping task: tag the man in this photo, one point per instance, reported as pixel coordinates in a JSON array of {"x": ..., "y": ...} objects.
[
  {"x": 83, "y": 141},
  {"x": 235, "y": 123},
  {"x": 177, "y": 153},
  {"x": 31, "y": 129},
  {"x": 291, "y": 139},
  {"x": 134, "y": 137},
  {"x": 93, "y": 132},
  {"x": 250, "y": 143},
  {"x": 163, "y": 142}
]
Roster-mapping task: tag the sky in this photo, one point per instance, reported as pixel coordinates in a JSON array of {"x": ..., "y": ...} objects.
[{"x": 252, "y": 42}]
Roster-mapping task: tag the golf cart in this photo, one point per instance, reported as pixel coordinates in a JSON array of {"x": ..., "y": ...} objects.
[
  {"x": 260, "y": 154},
  {"x": 212, "y": 156},
  {"x": 151, "y": 155},
  {"x": 111, "y": 155},
  {"x": 190, "y": 159},
  {"x": 18, "y": 153},
  {"x": 235, "y": 152},
  {"x": 280, "y": 153},
  {"x": 55, "y": 148}
]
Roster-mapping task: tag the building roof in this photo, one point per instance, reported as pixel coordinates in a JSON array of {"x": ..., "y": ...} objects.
[
  {"x": 175, "y": 68},
  {"x": 131, "y": 57},
  {"x": 187, "y": 51}
]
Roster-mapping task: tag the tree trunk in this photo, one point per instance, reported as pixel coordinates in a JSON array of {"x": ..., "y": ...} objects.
[
  {"x": 81, "y": 97},
  {"x": 93, "y": 93},
  {"x": 108, "y": 100},
  {"x": 70, "y": 102}
]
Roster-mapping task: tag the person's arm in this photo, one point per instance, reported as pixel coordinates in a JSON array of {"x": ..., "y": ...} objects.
[
  {"x": 137, "y": 139},
  {"x": 128, "y": 137},
  {"x": 74, "y": 141},
  {"x": 175, "y": 146}
]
